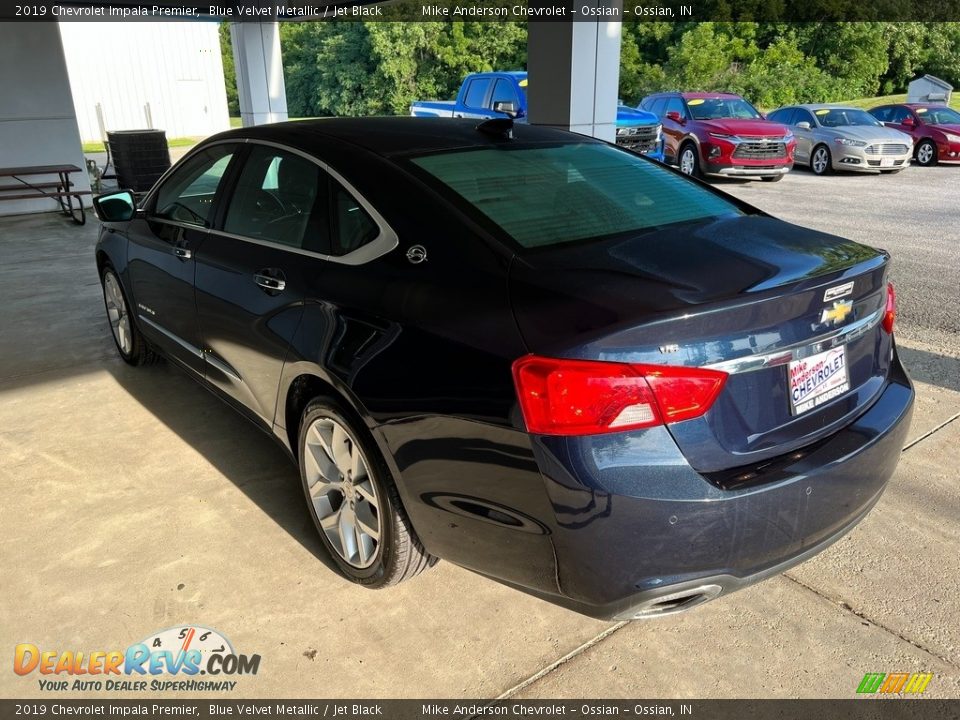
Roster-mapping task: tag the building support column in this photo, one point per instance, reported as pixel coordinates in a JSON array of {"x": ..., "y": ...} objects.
[
  {"x": 256, "y": 55},
  {"x": 574, "y": 73}
]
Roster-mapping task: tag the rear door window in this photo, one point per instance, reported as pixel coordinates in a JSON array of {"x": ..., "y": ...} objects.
[
  {"x": 352, "y": 225},
  {"x": 784, "y": 116},
  {"x": 543, "y": 196},
  {"x": 898, "y": 115}
]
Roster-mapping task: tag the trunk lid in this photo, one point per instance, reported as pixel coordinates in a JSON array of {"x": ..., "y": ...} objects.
[{"x": 748, "y": 295}]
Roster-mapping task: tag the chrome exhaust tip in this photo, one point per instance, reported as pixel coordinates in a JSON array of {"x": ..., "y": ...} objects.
[{"x": 672, "y": 603}]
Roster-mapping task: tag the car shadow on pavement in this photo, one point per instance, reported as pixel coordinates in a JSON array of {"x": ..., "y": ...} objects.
[
  {"x": 242, "y": 453},
  {"x": 931, "y": 368}
]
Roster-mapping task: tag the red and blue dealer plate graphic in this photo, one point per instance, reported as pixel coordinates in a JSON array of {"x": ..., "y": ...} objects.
[{"x": 817, "y": 379}]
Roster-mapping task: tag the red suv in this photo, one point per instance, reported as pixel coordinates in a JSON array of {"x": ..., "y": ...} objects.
[
  {"x": 935, "y": 130},
  {"x": 721, "y": 134}
]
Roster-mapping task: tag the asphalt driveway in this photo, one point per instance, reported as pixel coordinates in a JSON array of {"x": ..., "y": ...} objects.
[{"x": 132, "y": 501}]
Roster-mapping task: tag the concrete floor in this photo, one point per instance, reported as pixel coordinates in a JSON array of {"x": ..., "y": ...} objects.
[{"x": 131, "y": 501}]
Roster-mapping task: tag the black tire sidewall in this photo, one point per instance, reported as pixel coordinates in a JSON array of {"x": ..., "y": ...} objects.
[{"x": 376, "y": 468}]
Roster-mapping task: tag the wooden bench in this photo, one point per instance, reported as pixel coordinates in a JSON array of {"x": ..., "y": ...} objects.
[{"x": 23, "y": 188}]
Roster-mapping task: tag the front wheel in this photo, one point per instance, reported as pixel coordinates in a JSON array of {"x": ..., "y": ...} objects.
[
  {"x": 689, "y": 160},
  {"x": 927, "y": 153},
  {"x": 130, "y": 343},
  {"x": 820, "y": 161},
  {"x": 353, "y": 501}
]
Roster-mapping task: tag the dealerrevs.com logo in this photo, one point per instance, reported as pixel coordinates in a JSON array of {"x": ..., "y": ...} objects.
[{"x": 169, "y": 660}]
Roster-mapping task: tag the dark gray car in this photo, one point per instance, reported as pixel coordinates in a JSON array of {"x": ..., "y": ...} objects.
[{"x": 834, "y": 137}]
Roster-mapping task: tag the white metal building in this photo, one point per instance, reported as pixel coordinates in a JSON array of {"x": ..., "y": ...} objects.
[{"x": 163, "y": 75}]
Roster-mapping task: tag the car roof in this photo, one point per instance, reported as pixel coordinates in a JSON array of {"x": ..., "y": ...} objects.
[
  {"x": 707, "y": 95},
  {"x": 824, "y": 106},
  {"x": 394, "y": 135}
]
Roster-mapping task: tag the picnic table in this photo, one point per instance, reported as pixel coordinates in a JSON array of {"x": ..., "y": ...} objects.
[{"x": 26, "y": 186}]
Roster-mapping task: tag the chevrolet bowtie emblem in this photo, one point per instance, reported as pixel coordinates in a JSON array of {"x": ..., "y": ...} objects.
[{"x": 836, "y": 314}]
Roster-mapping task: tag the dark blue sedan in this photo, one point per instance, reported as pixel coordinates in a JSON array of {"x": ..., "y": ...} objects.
[{"x": 530, "y": 353}]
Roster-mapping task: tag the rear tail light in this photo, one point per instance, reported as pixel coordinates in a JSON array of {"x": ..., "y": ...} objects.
[
  {"x": 890, "y": 312},
  {"x": 587, "y": 397}
]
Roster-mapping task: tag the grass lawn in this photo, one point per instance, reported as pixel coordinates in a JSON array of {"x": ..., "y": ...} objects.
[
  {"x": 235, "y": 122},
  {"x": 97, "y": 147},
  {"x": 867, "y": 103}
]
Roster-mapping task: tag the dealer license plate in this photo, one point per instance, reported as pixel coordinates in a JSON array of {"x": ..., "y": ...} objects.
[
  {"x": 886, "y": 162},
  {"x": 817, "y": 379}
]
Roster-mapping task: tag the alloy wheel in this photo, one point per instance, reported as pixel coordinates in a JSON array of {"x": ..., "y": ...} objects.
[
  {"x": 925, "y": 153},
  {"x": 688, "y": 162},
  {"x": 342, "y": 492},
  {"x": 821, "y": 160},
  {"x": 117, "y": 313}
]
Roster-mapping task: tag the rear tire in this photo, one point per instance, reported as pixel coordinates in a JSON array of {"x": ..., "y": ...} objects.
[
  {"x": 126, "y": 336},
  {"x": 821, "y": 162},
  {"x": 926, "y": 153},
  {"x": 688, "y": 160},
  {"x": 353, "y": 500}
]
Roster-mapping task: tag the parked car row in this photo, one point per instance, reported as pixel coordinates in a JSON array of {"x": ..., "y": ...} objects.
[{"x": 723, "y": 135}]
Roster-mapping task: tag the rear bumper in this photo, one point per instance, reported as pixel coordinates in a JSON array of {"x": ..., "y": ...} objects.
[{"x": 639, "y": 539}]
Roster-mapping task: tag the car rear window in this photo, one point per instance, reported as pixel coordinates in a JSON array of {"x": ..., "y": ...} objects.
[{"x": 548, "y": 195}]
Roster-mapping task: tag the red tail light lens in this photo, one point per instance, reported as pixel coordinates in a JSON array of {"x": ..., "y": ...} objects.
[
  {"x": 587, "y": 397},
  {"x": 890, "y": 312}
]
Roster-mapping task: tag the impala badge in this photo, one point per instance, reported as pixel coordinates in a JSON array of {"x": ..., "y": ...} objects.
[
  {"x": 417, "y": 254},
  {"x": 837, "y": 292},
  {"x": 836, "y": 314}
]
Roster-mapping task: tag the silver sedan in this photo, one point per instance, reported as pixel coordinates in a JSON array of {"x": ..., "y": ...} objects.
[{"x": 833, "y": 137}]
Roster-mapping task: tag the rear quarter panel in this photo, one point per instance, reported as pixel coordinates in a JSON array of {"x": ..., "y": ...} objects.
[{"x": 423, "y": 353}]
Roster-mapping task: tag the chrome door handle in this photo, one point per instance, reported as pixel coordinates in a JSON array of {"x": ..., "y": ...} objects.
[
  {"x": 269, "y": 283},
  {"x": 183, "y": 253}
]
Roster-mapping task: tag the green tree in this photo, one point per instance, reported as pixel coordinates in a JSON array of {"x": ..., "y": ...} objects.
[
  {"x": 855, "y": 54},
  {"x": 229, "y": 70}
]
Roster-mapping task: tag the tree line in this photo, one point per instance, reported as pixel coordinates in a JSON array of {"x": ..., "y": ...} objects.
[{"x": 372, "y": 68}]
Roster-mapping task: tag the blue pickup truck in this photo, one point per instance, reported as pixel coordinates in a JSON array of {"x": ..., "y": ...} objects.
[{"x": 504, "y": 94}]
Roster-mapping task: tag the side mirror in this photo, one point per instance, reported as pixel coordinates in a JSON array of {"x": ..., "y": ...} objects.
[
  {"x": 803, "y": 125},
  {"x": 118, "y": 206},
  {"x": 675, "y": 116},
  {"x": 908, "y": 122},
  {"x": 507, "y": 108}
]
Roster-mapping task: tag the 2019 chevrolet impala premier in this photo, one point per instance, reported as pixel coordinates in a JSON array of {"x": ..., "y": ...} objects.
[{"x": 531, "y": 353}]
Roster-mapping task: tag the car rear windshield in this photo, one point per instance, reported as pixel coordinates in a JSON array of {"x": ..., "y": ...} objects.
[{"x": 547, "y": 195}]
